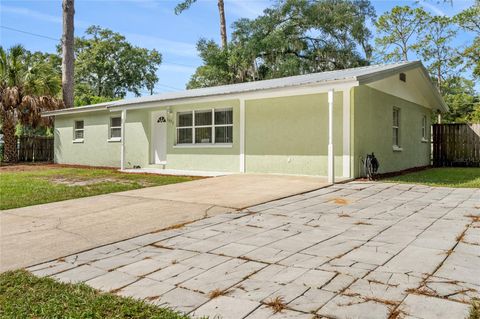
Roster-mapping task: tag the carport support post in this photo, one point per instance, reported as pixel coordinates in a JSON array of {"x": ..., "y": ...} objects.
[
  {"x": 122, "y": 145},
  {"x": 331, "y": 170}
]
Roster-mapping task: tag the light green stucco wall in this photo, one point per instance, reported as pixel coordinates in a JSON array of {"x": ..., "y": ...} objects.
[
  {"x": 372, "y": 131},
  {"x": 289, "y": 135},
  {"x": 96, "y": 150},
  {"x": 204, "y": 158}
]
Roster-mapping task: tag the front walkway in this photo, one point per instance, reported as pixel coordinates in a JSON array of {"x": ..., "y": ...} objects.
[
  {"x": 358, "y": 250},
  {"x": 35, "y": 234}
]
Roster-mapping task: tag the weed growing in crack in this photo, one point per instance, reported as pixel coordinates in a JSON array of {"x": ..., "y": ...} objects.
[
  {"x": 277, "y": 304},
  {"x": 216, "y": 293}
]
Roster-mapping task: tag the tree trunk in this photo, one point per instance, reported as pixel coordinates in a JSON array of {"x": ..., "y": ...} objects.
[
  {"x": 223, "y": 26},
  {"x": 10, "y": 152},
  {"x": 67, "y": 52}
]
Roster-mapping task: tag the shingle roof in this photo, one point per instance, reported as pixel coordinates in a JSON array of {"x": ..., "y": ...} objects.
[{"x": 360, "y": 74}]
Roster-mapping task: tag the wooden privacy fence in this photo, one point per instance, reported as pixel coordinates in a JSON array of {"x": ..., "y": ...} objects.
[
  {"x": 35, "y": 148},
  {"x": 456, "y": 144}
]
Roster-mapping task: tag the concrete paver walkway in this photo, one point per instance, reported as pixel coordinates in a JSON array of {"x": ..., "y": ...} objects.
[
  {"x": 40, "y": 233},
  {"x": 358, "y": 250}
]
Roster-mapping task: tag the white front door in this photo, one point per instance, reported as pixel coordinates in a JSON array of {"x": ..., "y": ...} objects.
[{"x": 159, "y": 137}]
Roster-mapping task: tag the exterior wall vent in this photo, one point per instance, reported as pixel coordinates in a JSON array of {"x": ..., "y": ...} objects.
[{"x": 403, "y": 77}]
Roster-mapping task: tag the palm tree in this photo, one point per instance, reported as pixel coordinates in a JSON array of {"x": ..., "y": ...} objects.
[
  {"x": 221, "y": 10},
  {"x": 26, "y": 90},
  {"x": 67, "y": 52}
]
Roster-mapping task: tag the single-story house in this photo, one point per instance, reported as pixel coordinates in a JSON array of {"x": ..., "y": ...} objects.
[{"x": 320, "y": 124}]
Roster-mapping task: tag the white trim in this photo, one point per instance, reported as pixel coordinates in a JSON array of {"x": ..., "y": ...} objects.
[
  {"x": 114, "y": 139},
  {"x": 204, "y": 145},
  {"x": 242, "y": 136},
  {"x": 396, "y": 148},
  {"x": 424, "y": 140},
  {"x": 346, "y": 167},
  {"x": 78, "y": 140},
  {"x": 331, "y": 157},
  {"x": 255, "y": 95},
  {"x": 122, "y": 146}
]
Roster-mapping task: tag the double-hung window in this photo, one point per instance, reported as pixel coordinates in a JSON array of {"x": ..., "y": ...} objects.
[
  {"x": 396, "y": 127},
  {"x": 78, "y": 131},
  {"x": 205, "y": 127},
  {"x": 115, "y": 128},
  {"x": 424, "y": 128}
]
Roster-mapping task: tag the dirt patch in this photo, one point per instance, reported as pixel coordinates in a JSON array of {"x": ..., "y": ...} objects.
[
  {"x": 25, "y": 167},
  {"x": 79, "y": 182},
  {"x": 72, "y": 181},
  {"x": 340, "y": 201}
]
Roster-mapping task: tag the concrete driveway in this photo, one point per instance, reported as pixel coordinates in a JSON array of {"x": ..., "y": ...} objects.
[
  {"x": 357, "y": 250},
  {"x": 35, "y": 234}
]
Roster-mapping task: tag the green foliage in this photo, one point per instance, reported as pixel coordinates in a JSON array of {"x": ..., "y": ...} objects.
[
  {"x": 469, "y": 20},
  {"x": 398, "y": 32},
  {"x": 436, "y": 51},
  {"x": 84, "y": 96},
  {"x": 110, "y": 66},
  {"x": 291, "y": 38},
  {"x": 443, "y": 177},
  {"x": 25, "y": 188},
  {"x": 461, "y": 98},
  {"x": 34, "y": 73},
  {"x": 182, "y": 6},
  {"x": 474, "y": 309},
  {"x": 22, "y": 295},
  {"x": 405, "y": 30}
]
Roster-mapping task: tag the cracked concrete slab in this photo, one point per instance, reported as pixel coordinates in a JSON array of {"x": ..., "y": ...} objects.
[{"x": 403, "y": 250}]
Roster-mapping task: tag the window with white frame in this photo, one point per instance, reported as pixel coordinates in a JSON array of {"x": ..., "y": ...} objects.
[
  {"x": 212, "y": 126},
  {"x": 396, "y": 127},
  {"x": 424, "y": 127},
  {"x": 115, "y": 128},
  {"x": 78, "y": 130}
]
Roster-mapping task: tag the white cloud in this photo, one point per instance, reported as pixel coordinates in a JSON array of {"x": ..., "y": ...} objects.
[
  {"x": 32, "y": 14},
  {"x": 40, "y": 16},
  {"x": 176, "y": 68},
  {"x": 246, "y": 8},
  {"x": 433, "y": 8},
  {"x": 163, "y": 45}
]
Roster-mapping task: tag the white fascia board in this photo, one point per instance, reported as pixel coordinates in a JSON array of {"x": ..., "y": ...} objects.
[
  {"x": 262, "y": 94},
  {"x": 379, "y": 75},
  {"x": 366, "y": 79},
  {"x": 75, "y": 110}
]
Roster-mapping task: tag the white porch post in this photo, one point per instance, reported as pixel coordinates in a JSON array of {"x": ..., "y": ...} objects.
[
  {"x": 346, "y": 167},
  {"x": 242, "y": 136},
  {"x": 331, "y": 159},
  {"x": 122, "y": 145}
]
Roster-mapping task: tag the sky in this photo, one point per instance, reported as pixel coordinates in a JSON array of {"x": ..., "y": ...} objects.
[{"x": 152, "y": 24}]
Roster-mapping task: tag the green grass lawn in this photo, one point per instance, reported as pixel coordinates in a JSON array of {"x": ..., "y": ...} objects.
[
  {"x": 444, "y": 176},
  {"x": 45, "y": 184},
  {"x": 22, "y": 295}
]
